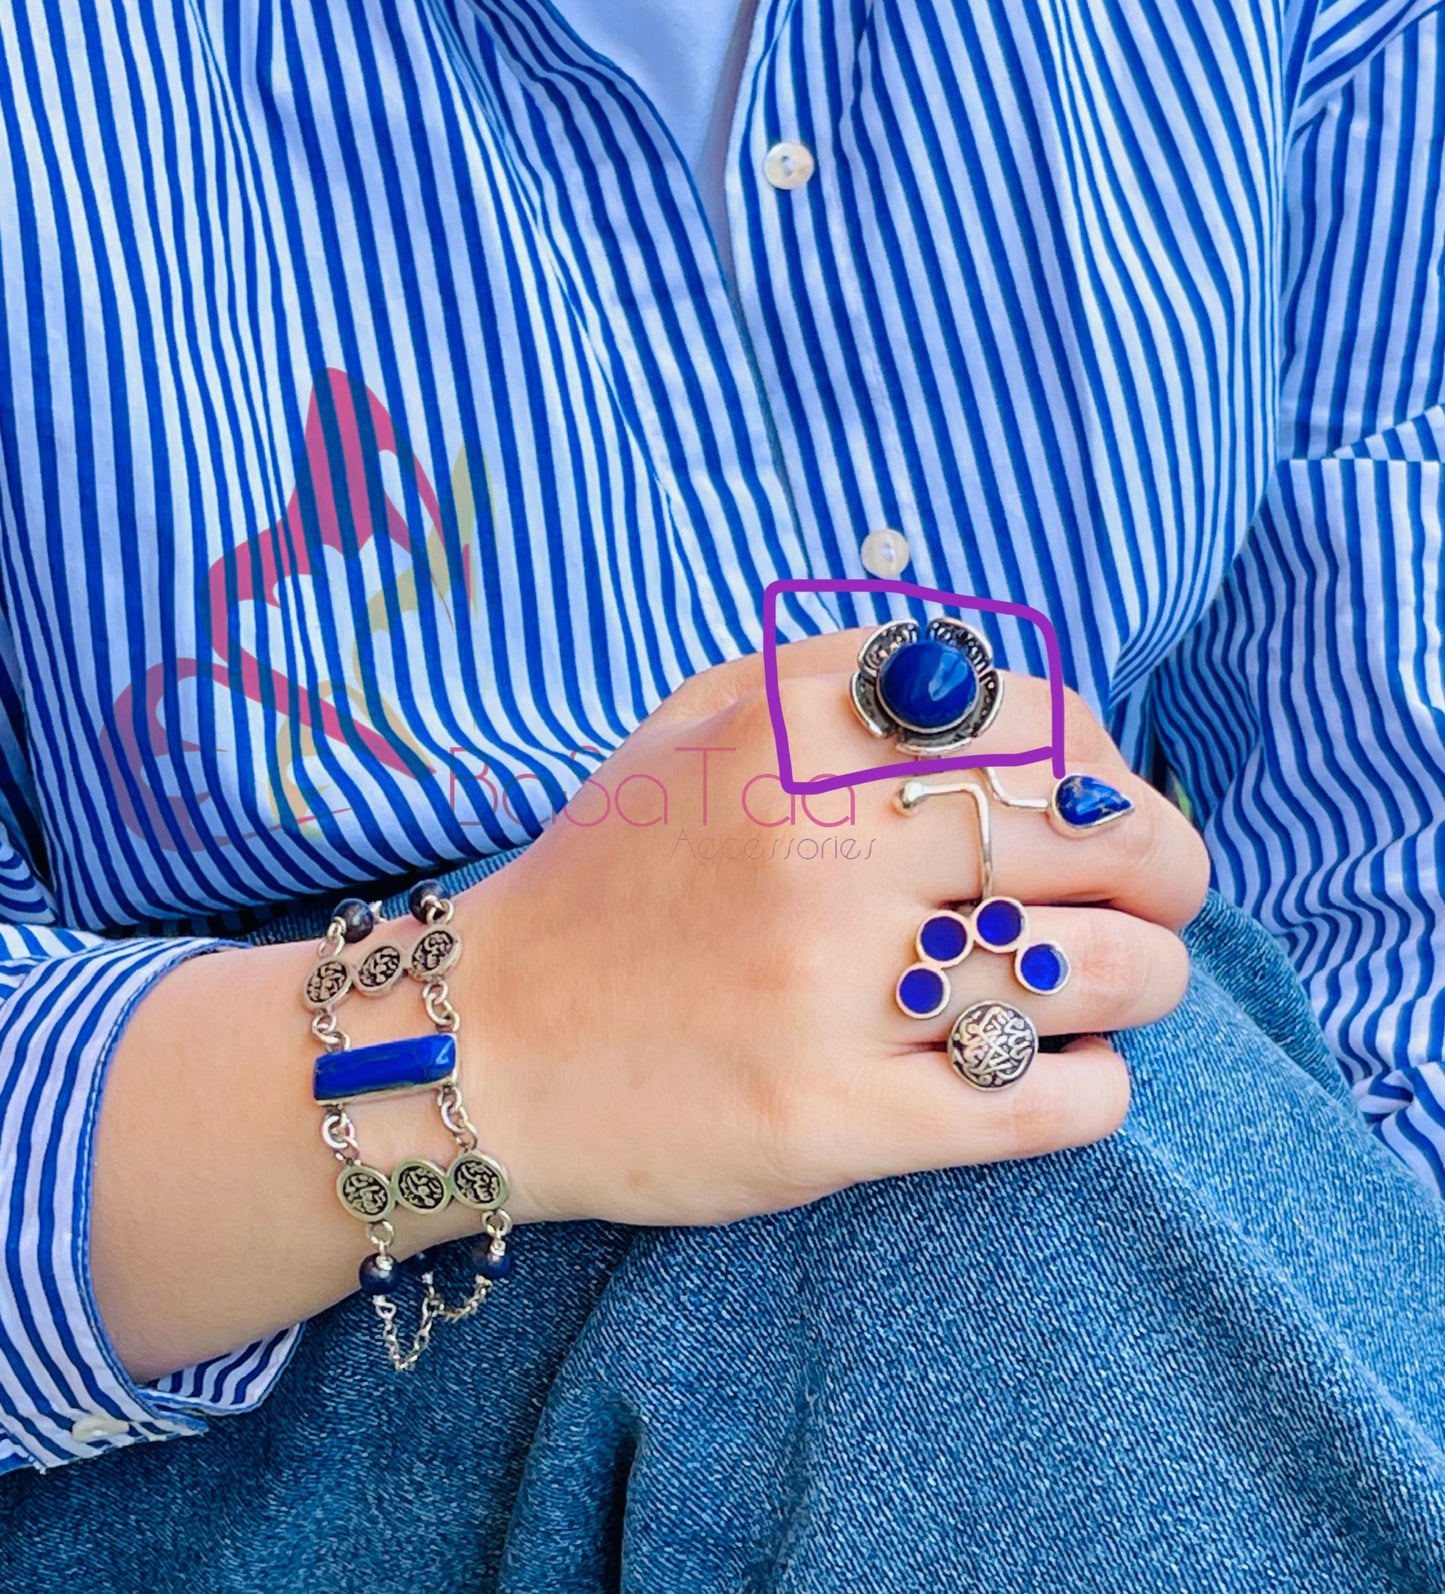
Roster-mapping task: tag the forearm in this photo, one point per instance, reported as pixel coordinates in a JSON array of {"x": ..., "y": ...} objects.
[{"x": 215, "y": 1219}]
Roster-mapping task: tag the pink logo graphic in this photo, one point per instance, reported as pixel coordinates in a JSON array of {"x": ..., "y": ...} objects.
[{"x": 340, "y": 503}]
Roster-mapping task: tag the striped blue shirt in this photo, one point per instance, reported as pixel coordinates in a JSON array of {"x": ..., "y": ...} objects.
[{"x": 380, "y": 441}]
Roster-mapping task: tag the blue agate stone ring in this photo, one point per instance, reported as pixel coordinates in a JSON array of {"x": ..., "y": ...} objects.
[
  {"x": 1042, "y": 968},
  {"x": 933, "y": 694},
  {"x": 923, "y": 991},
  {"x": 999, "y": 924},
  {"x": 1082, "y": 804}
]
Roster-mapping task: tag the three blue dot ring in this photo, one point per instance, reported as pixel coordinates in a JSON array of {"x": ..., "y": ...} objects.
[
  {"x": 945, "y": 939},
  {"x": 933, "y": 694}
]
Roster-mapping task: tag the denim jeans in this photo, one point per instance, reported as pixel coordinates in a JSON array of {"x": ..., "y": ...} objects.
[{"x": 1206, "y": 1354}]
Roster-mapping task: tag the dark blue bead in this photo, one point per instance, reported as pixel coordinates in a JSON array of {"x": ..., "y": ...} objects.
[
  {"x": 489, "y": 1266},
  {"x": 998, "y": 922},
  {"x": 357, "y": 919},
  {"x": 927, "y": 685},
  {"x": 943, "y": 938},
  {"x": 377, "y": 1275},
  {"x": 416, "y": 901},
  {"x": 1043, "y": 967},
  {"x": 410, "y": 1064},
  {"x": 922, "y": 991},
  {"x": 419, "y": 1262},
  {"x": 1083, "y": 801}
]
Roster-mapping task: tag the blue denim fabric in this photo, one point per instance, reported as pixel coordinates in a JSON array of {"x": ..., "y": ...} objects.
[{"x": 1205, "y": 1355}]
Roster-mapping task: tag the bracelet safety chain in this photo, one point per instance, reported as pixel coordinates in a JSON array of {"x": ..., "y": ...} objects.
[{"x": 345, "y": 1074}]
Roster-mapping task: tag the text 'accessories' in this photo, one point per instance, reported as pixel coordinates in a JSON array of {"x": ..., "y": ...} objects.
[
  {"x": 945, "y": 938},
  {"x": 932, "y": 694},
  {"x": 419, "y": 1062}
]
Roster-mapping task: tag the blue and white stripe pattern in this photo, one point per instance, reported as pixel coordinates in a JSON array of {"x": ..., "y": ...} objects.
[{"x": 380, "y": 442}]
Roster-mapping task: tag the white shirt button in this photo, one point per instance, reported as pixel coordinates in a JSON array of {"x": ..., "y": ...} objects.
[
  {"x": 789, "y": 165},
  {"x": 97, "y": 1426},
  {"x": 885, "y": 552}
]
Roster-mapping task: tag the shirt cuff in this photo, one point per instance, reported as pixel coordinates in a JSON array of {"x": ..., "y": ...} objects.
[{"x": 64, "y": 1395}]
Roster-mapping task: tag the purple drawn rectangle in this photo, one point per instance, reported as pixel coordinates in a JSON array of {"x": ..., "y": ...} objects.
[{"x": 958, "y": 600}]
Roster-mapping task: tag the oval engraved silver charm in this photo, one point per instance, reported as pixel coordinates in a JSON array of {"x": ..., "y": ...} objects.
[
  {"x": 434, "y": 953},
  {"x": 365, "y": 1192},
  {"x": 992, "y": 1045},
  {"x": 479, "y": 1181},
  {"x": 421, "y": 1185},
  {"x": 380, "y": 969},
  {"x": 328, "y": 981}
]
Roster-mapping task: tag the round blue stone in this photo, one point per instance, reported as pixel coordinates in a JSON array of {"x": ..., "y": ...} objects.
[
  {"x": 1043, "y": 967},
  {"x": 943, "y": 938},
  {"x": 377, "y": 1274},
  {"x": 998, "y": 923},
  {"x": 927, "y": 685},
  {"x": 922, "y": 992},
  {"x": 489, "y": 1266}
]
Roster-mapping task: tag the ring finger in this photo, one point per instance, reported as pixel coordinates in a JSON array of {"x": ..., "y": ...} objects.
[{"x": 1119, "y": 972}]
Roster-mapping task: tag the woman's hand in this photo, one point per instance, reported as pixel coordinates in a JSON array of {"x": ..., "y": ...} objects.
[
  {"x": 689, "y": 1021},
  {"x": 649, "y": 1032}
]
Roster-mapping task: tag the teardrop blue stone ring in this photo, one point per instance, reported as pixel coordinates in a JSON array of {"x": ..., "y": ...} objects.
[
  {"x": 1078, "y": 805},
  {"x": 933, "y": 693}
]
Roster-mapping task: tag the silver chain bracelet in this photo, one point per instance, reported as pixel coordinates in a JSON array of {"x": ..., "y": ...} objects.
[{"x": 424, "y": 1062}]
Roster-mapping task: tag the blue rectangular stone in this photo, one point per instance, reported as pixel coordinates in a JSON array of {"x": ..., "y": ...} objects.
[{"x": 416, "y": 1063}]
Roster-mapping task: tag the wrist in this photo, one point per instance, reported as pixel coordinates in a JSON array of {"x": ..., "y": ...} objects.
[{"x": 498, "y": 1056}]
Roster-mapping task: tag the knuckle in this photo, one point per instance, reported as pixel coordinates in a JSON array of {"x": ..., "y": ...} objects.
[
  {"x": 1032, "y": 1121},
  {"x": 1184, "y": 859},
  {"x": 1135, "y": 970},
  {"x": 1110, "y": 1103},
  {"x": 789, "y": 968},
  {"x": 1112, "y": 962},
  {"x": 717, "y": 688},
  {"x": 808, "y": 700},
  {"x": 1084, "y": 735},
  {"x": 1198, "y": 870},
  {"x": 748, "y": 716}
]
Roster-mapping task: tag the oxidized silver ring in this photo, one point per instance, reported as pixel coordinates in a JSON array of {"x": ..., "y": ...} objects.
[{"x": 991, "y": 1045}]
